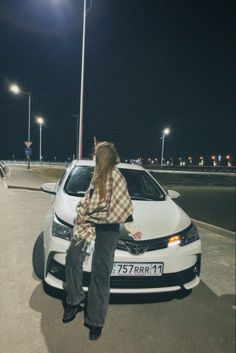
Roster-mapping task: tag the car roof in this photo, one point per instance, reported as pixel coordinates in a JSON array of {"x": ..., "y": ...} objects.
[{"x": 91, "y": 163}]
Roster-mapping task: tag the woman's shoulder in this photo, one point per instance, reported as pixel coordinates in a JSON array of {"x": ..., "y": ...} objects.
[
  {"x": 116, "y": 172},
  {"x": 117, "y": 176}
]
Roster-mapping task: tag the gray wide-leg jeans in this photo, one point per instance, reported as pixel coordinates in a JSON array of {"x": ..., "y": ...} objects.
[{"x": 102, "y": 263}]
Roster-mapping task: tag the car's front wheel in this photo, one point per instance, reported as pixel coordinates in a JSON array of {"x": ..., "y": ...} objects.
[{"x": 38, "y": 257}]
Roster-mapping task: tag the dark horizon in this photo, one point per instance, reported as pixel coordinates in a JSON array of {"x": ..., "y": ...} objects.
[{"x": 148, "y": 66}]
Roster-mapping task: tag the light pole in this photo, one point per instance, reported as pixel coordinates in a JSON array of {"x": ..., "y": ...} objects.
[
  {"x": 16, "y": 90},
  {"x": 40, "y": 121},
  {"x": 79, "y": 151},
  {"x": 80, "y": 145},
  {"x": 77, "y": 134},
  {"x": 165, "y": 132}
]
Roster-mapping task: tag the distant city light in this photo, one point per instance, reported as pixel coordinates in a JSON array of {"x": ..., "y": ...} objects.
[
  {"x": 214, "y": 160},
  {"x": 188, "y": 160},
  {"x": 201, "y": 161}
]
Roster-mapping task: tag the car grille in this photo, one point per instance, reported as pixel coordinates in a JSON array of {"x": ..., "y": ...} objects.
[{"x": 140, "y": 247}]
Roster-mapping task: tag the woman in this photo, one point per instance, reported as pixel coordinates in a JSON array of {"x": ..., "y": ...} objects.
[{"x": 105, "y": 205}]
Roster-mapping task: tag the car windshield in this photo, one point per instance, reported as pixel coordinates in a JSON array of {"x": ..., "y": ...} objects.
[{"x": 140, "y": 184}]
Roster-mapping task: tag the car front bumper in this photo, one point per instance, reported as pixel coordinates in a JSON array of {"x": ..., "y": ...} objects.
[
  {"x": 186, "y": 279},
  {"x": 181, "y": 269}
]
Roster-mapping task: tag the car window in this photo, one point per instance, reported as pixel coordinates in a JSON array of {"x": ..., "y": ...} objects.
[
  {"x": 140, "y": 185},
  {"x": 78, "y": 180}
]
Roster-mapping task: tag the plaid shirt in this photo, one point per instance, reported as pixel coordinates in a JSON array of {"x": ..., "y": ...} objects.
[{"x": 115, "y": 208}]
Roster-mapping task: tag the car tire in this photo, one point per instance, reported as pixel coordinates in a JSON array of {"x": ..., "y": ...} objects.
[{"x": 38, "y": 257}]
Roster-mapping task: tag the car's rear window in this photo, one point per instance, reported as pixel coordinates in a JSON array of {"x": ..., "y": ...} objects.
[{"x": 140, "y": 184}]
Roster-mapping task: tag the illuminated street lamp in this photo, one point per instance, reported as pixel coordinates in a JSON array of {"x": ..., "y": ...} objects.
[
  {"x": 165, "y": 132},
  {"x": 16, "y": 90},
  {"x": 40, "y": 121}
]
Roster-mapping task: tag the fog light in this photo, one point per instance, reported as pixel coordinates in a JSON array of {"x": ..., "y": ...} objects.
[
  {"x": 175, "y": 240},
  {"x": 57, "y": 270}
]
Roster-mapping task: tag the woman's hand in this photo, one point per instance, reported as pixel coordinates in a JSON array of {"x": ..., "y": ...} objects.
[
  {"x": 136, "y": 236},
  {"x": 133, "y": 231}
]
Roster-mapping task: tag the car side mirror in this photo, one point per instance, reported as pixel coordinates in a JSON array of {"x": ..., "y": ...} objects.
[
  {"x": 50, "y": 188},
  {"x": 173, "y": 194}
]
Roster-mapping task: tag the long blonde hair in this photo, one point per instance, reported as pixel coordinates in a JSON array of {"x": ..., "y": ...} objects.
[{"x": 106, "y": 158}]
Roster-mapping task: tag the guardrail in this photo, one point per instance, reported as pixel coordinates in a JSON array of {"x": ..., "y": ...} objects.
[
  {"x": 192, "y": 168},
  {"x": 213, "y": 169},
  {"x": 38, "y": 164}
]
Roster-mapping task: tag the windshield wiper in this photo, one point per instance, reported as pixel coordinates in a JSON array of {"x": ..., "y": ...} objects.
[
  {"x": 150, "y": 198},
  {"x": 141, "y": 198},
  {"x": 78, "y": 193}
]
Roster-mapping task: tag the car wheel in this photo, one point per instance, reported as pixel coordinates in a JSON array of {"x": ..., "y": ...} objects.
[{"x": 38, "y": 257}]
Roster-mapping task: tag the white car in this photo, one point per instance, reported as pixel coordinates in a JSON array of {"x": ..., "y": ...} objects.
[{"x": 167, "y": 258}]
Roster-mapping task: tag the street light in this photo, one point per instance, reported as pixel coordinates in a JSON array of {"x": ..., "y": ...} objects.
[
  {"x": 40, "y": 121},
  {"x": 16, "y": 90},
  {"x": 165, "y": 132}
]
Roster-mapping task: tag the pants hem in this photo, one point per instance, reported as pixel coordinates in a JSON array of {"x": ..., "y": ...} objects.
[
  {"x": 90, "y": 323},
  {"x": 78, "y": 303}
]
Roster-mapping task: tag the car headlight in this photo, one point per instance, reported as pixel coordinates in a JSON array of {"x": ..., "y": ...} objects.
[
  {"x": 61, "y": 230},
  {"x": 175, "y": 240},
  {"x": 189, "y": 235}
]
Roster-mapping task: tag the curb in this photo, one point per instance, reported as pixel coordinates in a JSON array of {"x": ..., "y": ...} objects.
[
  {"x": 24, "y": 187},
  {"x": 214, "y": 228}
]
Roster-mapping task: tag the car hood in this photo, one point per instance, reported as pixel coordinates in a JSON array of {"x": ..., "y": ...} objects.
[{"x": 155, "y": 219}]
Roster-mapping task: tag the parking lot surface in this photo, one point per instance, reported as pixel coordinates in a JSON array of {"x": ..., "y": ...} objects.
[{"x": 30, "y": 320}]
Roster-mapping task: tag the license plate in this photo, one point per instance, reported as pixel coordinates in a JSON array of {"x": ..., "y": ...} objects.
[{"x": 137, "y": 269}]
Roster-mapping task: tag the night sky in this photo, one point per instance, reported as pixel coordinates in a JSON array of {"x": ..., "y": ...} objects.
[{"x": 149, "y": 64}]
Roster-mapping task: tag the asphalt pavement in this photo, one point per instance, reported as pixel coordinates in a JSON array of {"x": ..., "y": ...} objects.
[
  {"x": 30, "y": 320},
  {"x": 211, "y": 204},
  {"x": 208, "y": 196}
]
